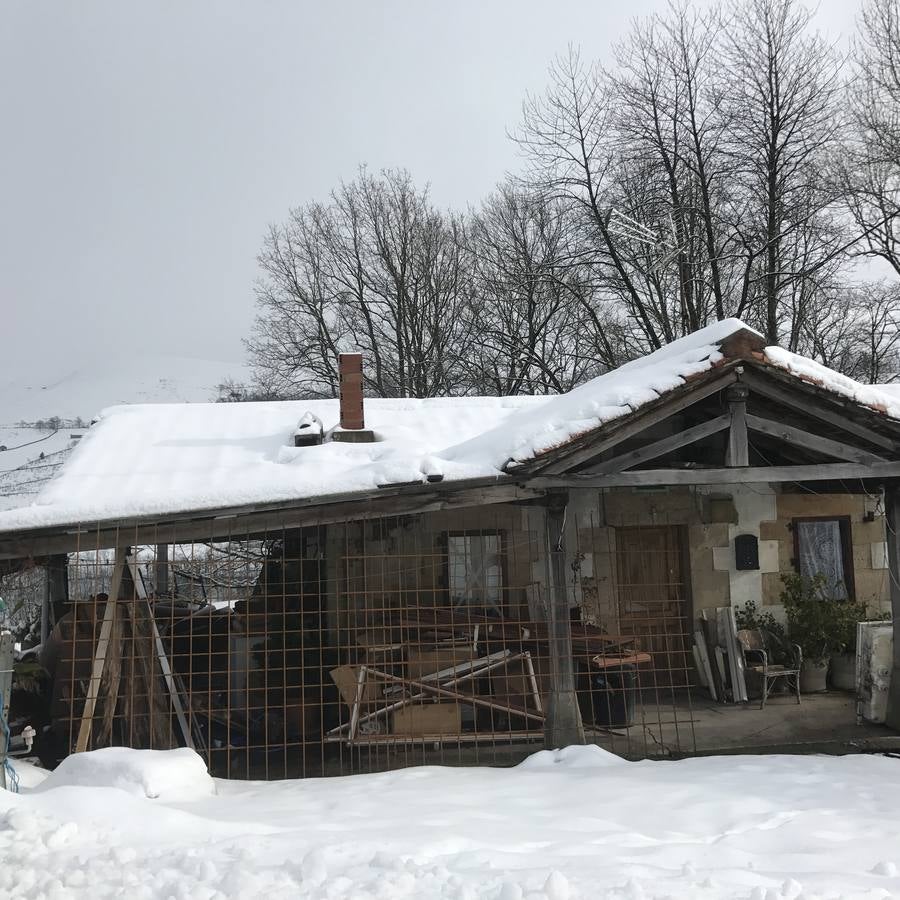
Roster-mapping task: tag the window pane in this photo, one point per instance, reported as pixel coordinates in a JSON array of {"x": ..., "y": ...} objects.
[
  {"x": 821, "y": 553},
  {"x": 473, "y": 562}
]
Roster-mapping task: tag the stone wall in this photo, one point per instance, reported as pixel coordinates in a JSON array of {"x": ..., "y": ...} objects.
[
  {"x": 711, "y": 518},
  {"x": 382, "y": 565}
]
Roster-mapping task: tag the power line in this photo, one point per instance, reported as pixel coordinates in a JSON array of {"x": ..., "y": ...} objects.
[{"x": 37, "y": 441}]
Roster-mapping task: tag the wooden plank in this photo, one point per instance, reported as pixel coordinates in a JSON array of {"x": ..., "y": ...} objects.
[
  {"x": 747, "y": 475},
  {"x": 698, "y": 665},
  {"x": 166, "y": 669},
  {"x": 812, "y": 405},
  {"x": 563, "y": 726},
  {"x": 532, "y": 680},
  {"x": 705, "y": 665},
  {"x": 259, "y": 519},
  {"x": 472, "y": 737},
  {"x": 721, "y": 668},
  {"x": 708, "y": 628},
  {"x": 90, "y": 702},
  {"x": 457, "y": 695},
  {"x": 892, "y": 534},
  {"x": 661, "y": 447},
  {"x": 58, "y": 577},
  {"x": 801, "y": 438},
  {"x": 161, "y": 586},
  {"x": 621, "y": 430},
  {"x": 7, "y": 657},
  {"x": 625, "y": 659},
  {"x": 738, "y": 452},
  {"x": 451, "y": 679},
  {"x": 728, "y": 629},
  {"x": 162, "y": 659}
]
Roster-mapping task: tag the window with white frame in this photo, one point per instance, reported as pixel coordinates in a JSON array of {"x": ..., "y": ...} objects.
[{"x": 475, "y": 570}]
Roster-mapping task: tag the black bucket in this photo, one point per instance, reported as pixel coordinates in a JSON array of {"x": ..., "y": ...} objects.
[{"x": 612, "y": 695}]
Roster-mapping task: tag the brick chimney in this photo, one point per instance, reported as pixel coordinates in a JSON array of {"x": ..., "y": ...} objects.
[
  {"x": 350, "y": 371},
  {"x": 353, "y": 421}
]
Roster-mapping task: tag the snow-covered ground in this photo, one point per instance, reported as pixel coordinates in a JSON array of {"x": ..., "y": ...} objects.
[{"x": 573, "y": 824}]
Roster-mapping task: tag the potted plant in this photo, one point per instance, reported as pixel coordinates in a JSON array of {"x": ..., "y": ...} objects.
[
  {"x": 812, "y": 624},
  {"x": 843, "y": 658}
]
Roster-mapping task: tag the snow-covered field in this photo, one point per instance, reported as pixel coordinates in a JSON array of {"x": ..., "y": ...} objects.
[
  {"x": 82, "y": 394},
  {"x": 573, "y": 824},
  {"x": 129, "y": 378}
]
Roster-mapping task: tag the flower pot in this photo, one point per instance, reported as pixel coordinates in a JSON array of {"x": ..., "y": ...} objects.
[
  {"x": 814, "y": 676},
  {"x": 843, "y": 671}
]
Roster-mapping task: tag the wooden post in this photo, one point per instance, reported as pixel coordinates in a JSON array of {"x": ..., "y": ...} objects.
[
  {"x": 58, "y": 586},
  {"x": 738, "y": 453},
  {"x": 892, "y": 523},
  {"x": 93, "y": 691},
  {"x": 563, "y": 725},
  {"x": 45, "y": 608},
  {"x": 162, "y": 570},
  {"x": 7, "y": 656},
  {"x": 140, "y": 594}
]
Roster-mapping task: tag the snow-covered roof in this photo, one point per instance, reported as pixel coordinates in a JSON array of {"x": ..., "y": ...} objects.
[{"x": 158, "y": 459}]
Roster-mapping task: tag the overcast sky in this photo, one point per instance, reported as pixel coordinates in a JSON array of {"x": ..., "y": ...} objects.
[{"x": 145, "y": 146}]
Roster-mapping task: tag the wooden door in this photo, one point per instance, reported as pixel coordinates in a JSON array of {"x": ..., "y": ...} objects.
[{"x": 653, "y": 600}]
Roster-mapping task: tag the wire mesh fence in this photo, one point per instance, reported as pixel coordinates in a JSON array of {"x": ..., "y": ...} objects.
[{"x": 368, "y": 645}]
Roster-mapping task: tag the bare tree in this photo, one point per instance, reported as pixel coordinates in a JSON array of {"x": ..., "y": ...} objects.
[
  {"x": 670, "y": 127},
  {"x": 535, "y": 326},
  {"x": 871, "y": 170},
  {"x": 567, "y": 138},
  {"x": 378, "y": 269},
  {"x": 706, "y": 173},
  {"x": 783, "y": 100}
]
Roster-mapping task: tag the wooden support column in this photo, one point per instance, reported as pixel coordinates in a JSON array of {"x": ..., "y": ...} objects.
[
  {"x": 161, "y": 576},
  {"x": 57, "y": 587},
  {"x": 45, "y": 609},
  {"x": 892, "y": 535},
  {"x": 99, "y": 664},
  {"x": 562, "y": 726},
  {"x": 738, "y": 453}
]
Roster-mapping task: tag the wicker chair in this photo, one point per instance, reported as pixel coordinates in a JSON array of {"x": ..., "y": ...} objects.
[{"x": 757, "y": 653}]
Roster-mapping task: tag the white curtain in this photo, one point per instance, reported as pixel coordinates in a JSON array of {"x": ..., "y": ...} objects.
[
  {"x": 821, "y": 553},
  {"x": 475, "y": 570}
]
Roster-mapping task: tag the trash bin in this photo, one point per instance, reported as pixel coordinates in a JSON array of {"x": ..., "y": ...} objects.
[{"x": 613, "y": 693}]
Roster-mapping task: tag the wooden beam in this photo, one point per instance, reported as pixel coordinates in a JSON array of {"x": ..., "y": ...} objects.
[
  {"x": 161, "y": 657},
  {"x": 562, "y": 726},
  {"x": 588, "y": 447},
  {"x": 892, "y": 535},
  {"x": 109, "y": 614},
  {"x": 738, "y": 452},
  {"x": 746, "y": 475},
  {"x": 242, "y": 521},
  {"x": 45, "y": 608},
  {"x": 813, "y": 405},
  {"x": 798, "y": 436},
  {"x": 161, "y": 577},
  {"x": 661, "y": 447},
  {"x": 58, "y": 577}
]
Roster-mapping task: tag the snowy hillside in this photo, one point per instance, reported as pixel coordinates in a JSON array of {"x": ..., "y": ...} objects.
[
  {"x": 32, "y": 454},
  {"x": 125, "y": 379}
]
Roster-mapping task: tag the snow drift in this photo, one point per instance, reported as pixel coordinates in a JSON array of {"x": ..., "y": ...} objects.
[
  {"x": 575, "y": 824},
  {"x": 178, "y": 775}
]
